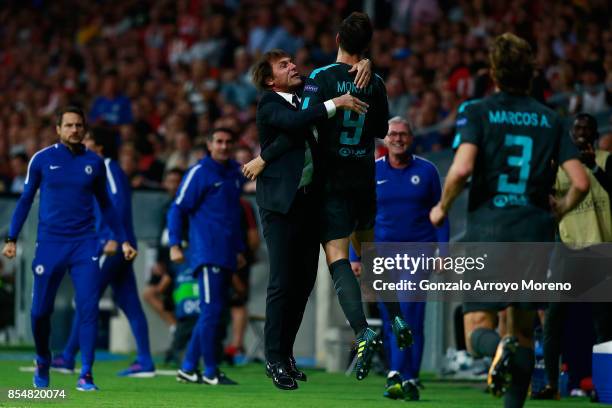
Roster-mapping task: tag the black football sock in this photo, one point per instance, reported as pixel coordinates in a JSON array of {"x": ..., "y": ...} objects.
[
  {"x": 522, "y": 368},
  {"x": 349, "y": 294},
  {"x": 484, "y": 342}
]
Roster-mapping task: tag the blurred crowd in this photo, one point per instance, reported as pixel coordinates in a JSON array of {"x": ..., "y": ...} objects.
[{"x": 164, "y": 72}]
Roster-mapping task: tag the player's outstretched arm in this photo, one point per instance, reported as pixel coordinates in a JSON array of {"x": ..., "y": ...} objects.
[
  {"x": 458, "y": 174},
  {"x": 578, "y": 189}
]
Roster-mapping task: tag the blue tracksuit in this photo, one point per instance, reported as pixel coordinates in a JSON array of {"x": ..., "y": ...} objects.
[
  {"x": 68, "y": 182},
  {"x": 116, "y": 271},
  {"x": 404, "y": 198},
  {"x": 210, "y": 196}
]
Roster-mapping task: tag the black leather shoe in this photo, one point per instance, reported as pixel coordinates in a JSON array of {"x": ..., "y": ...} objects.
[
  {"x": 280, "y": 376},
  {"x": 293, "y": 370}
]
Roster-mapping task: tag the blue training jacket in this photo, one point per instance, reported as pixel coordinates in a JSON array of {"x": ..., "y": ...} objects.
[
  {"x": 209, "y": 195},
  {"x": 67, "y": 183},
  {"x": 404, "y": 198},
  {"x": 120, "y": 192}
]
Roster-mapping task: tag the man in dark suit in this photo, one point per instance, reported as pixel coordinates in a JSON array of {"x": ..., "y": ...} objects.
[{"x": 288, "y": 202}]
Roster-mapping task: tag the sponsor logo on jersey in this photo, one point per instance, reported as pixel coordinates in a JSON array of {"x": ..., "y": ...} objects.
[
  {"x": 347, "y": 151},
  {"x": 515, "y": 200},
  {"x": 311, "y": 88}
]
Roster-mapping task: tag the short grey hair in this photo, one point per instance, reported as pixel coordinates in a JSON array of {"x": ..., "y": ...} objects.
[{"x": 403, "y": 121}]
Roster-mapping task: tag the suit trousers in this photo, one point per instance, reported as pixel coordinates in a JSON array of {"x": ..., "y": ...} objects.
[{"x": 293, "y": 249}]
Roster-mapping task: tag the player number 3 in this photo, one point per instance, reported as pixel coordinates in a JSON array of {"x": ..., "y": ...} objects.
[{"x": 523, "y": 162}]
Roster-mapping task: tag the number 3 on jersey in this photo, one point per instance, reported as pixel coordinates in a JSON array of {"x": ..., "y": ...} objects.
[
  {"x": 345, "y": 137},
  {"x": 523, "y": 162}
]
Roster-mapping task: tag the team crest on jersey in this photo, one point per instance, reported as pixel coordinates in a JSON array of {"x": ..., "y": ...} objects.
[
  {"x": 88, "y": 169},
  {"x": 39, "y": 269},
  {"x": 415, "y": 179}
]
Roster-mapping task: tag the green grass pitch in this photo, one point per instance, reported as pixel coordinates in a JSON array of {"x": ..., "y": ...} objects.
[{"x": 255, "y": 390}]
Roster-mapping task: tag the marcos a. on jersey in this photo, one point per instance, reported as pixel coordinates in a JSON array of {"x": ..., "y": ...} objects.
[{"x": 347, "y": 139}]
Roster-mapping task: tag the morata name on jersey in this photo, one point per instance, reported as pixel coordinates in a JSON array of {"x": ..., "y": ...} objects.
[{"x": 348, "y": 86}]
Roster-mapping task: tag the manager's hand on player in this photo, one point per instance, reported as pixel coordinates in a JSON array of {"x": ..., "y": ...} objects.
[
  {"x": 254, "y": 168},
  {"x": 9, "y": 250},
  {"x": 129, "y": 252},
  {"x": 349, "y": 102},
  {"x": 437, "y": 215},
  {"x": 364, "y": 73},
  {"x": 176, "y": 254},
  {"x": 110, "y": 248}
]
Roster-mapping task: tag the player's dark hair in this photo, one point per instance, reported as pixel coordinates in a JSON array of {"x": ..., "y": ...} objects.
[
  {"x": 262, "y": 69},
  {"x": 355, "y": 33},
  {"x": 210, "y": 135},
  {"x": 107, "y": 139},
  {"x": 59, "y": 116},
  {"x": 512, "y": 63}
]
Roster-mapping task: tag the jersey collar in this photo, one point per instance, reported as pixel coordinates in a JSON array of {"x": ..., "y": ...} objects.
[
  {"x": 80, "y": 150},
  {"x": 388, "y": 162}
]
